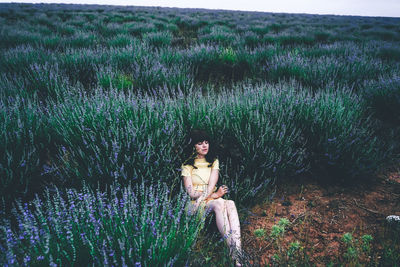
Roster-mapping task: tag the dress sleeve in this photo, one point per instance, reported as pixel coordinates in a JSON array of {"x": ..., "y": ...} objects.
[
  {"x": 215, "y": 165},
  {"x": 186, "y": 170}
]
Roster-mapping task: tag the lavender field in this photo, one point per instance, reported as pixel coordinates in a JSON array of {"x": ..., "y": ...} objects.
[{"x": 96, "y": 103}]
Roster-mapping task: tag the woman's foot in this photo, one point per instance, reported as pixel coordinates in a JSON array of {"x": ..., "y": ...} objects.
[{"x": 235, "y": 254}]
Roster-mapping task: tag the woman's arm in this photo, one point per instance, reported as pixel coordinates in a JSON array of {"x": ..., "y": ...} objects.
[
  {"x": 211, "y": 184},
  {"x": 187, "y": 180}
]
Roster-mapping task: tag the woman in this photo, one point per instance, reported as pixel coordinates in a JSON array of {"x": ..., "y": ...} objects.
[{"x": 200, "y": 175}]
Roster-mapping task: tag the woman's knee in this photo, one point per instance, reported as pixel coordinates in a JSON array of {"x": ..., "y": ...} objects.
[
  {"x": 230, "y": 204},
  {"x": 218, "y": 206}
]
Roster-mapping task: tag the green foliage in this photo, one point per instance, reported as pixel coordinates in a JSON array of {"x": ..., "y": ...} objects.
[
  {"x": 158, "y": 39},
  {"x": 357, "y": 251},
  {"x": 383, "y": 99},
  {"x": 259, "y": 233},
  {"x": 120, "y": 81},
  {"x": 251, "y": 39},
  {"x": 337, "y": 133},
  {"x": 278, "y": 230},
  {"x": 291, "y": 40},
  {"x": 81, "y": 67},
  {"x": 260, "y": 29},
  {"x": 23, "y": 143},
  {"x": 65, "y": 30},
  {"x": 81, "y": 40},
  {"x": 293, "y": 249},
  {"x": 220, "y": 35},
  {"x": 347, "y": 238},
  {"x": 211, "y": 63},
  {"x": 277, "y": 27},
  {"x": 120, "y": 40},
  {"x": 43, "y": 81},
  {"x": 128, "y": 225},
  {"x": 138, "y": 29},
  {"x": 389, "y": 53},
  {"x": 321, "y": 36},
  {"x": 51, "y": 42},
  {"x": 15, "y": 38}
]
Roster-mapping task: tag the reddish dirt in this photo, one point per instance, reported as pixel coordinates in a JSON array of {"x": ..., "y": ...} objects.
[{"x": 321, "y": 214}]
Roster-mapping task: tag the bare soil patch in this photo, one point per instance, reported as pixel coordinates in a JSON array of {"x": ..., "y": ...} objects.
[{"x": 319, "y": 215}]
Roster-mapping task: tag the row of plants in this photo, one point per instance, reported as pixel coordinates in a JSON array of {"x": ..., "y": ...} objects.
[
  {"x": 138, "y": 21},
  {"x": 13, "y": 37},
  {"x": 122, "y": 226},
  {"x": 139, "y": 68},
  {"x": 264, "y": 132},
  {"x": 144, "y": 226}
]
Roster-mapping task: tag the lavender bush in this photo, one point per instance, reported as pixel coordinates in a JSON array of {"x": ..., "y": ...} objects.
[{"x": 124, "y": 226}]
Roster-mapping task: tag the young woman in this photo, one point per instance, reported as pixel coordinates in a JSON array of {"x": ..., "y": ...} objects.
[{"x": 200, "y": 175}]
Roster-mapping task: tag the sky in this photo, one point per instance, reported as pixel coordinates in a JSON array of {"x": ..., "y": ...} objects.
[{"x": 381, "y": 8}]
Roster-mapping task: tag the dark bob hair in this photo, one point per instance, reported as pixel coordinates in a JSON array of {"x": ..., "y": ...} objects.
[{"x": 198, "y": 135}]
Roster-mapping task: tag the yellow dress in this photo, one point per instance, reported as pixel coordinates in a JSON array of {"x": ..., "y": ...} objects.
[{"x": 201, "y": 175}]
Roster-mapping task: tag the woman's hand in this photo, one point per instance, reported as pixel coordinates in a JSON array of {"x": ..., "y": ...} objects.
[{"x": 222, "y": 190}]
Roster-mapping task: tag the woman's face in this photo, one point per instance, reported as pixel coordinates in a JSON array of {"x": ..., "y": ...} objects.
[{"x": 202, "y": 148}]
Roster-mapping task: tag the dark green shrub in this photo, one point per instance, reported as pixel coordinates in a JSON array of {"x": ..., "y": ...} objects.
[
  {"x": 65, "y": 15},
  {"x": 260, "y": 29},
  {"x": 321, "y": 36},
  {"x": 172, "y": 28},
  {"x": 52, "y": 43},
  {"x": 120, "y": 40},
  {"x": 23, "y": 143},
  {"x": 341, "y": 141},
  {"x": 276, "y": 28},
  {"x": 119, "y": 81},
  {"x": 45, "y": 22},
  {"x": 219, "y": 35},
  {"x": 222, "y": 63},
  {"x": 366, "y": 26},
  {"x": 43, "y": 80},
  {"x": 65, "y": 30},
  {"x": 381, "y": 34},
  {"x": 158, "y": 39},
  {"x": 16, "y": 38},
  {"x": 81, "y": 40},
  {"x": 291, "y": 40},
  {"x": 390, "y": 53},
  {"x": 266, "y": 39},
  {"x": 109, "y": 30},
  {"x": 383, "y": 98},
  {"x": 251, "y": 39},
  {"x": 138, "y": 29},
  {"x": 81, "y": 68},
  {"x": 115, "y": 19},
  {"x": 16, "y": 60},
  {"x": 90, "y": 17}
]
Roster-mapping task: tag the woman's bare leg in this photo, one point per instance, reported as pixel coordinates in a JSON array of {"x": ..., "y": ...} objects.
[
  {"x": 233, "y": 218},
  {"x": 234, "y": 223},
  {"x": 221, "y": 217},
  {"x": 228, "y": 224}
]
